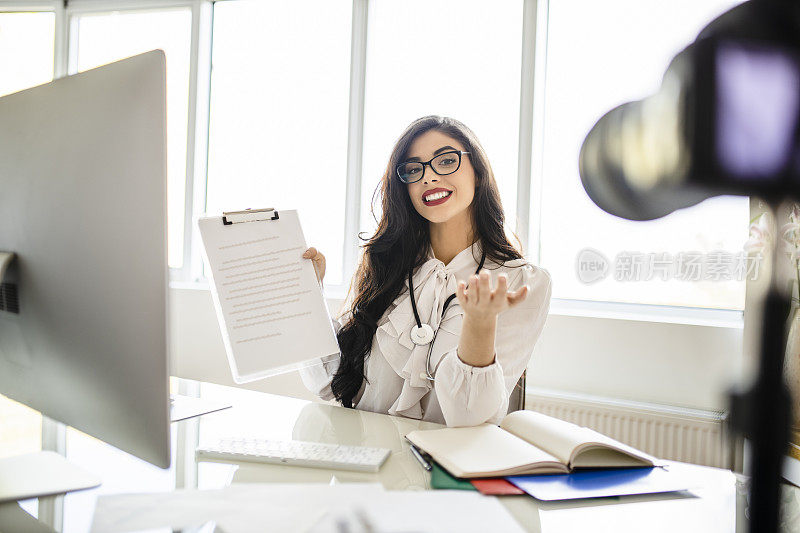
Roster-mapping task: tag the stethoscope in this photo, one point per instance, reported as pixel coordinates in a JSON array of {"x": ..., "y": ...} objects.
[{"x": 423, "y": 334}]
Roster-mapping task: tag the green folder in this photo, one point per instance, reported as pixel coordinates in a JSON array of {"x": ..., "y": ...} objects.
[{"x": 441, "y": 479}]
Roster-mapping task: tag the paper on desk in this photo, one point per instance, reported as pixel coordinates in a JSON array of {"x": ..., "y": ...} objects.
[
  {"x": 269, "y": 303},
  {"x": 238, "y": 508},
  {"x": 442, "y": 511},
  {"x": 260, "y": 507}
]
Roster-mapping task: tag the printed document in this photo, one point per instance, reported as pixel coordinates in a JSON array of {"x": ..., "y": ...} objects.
[{"x": 270, "y": 306}]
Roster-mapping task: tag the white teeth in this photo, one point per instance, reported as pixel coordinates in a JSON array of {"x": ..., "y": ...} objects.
[{"x": 436, "y": 196}]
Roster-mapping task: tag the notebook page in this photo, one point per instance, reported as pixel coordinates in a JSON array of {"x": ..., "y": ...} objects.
[
  {"x": 555, "y": 436},
  {"x": 563, "y": 439},
  {"x": 485, "y": 448},
  {"x": 269, "y": 303},
  {"x": 610, "y": 453}
]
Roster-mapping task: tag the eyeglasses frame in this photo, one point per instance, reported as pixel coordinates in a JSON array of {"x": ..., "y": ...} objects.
[{"x": 428, "y": 162}]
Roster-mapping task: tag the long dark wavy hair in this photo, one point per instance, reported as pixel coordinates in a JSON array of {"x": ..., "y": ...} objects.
[{"x": 401, "y": 242}]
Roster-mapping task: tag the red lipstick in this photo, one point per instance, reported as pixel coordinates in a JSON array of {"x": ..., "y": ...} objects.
[{"x": 441, "y": 196}]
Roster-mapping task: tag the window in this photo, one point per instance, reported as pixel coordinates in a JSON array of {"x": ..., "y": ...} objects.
[
  {"x": 107, "y": 37},
  {"x": 26, "y": 50},
  {"x": 279, "y": 106},
  {"x": 454, "y": 58},
  {"x": 599, "y": 55}
]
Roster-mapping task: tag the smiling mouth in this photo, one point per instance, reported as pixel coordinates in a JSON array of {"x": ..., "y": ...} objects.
[{"x": 437, "y": 198}]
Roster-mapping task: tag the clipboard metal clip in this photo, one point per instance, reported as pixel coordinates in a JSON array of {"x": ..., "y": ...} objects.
[{"x": 249, "y": 215}]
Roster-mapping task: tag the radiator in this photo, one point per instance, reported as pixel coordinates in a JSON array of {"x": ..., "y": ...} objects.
[{"x": 674, "y": 433}]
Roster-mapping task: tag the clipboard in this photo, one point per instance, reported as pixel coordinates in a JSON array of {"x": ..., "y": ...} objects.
[{"x": 269, "y": 304}]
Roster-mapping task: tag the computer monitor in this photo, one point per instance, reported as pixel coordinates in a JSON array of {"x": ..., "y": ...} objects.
[{"x": 83, "y": 207}]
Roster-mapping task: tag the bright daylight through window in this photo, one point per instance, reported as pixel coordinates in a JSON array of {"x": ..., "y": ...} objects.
[{"x": 601, "y": 54}]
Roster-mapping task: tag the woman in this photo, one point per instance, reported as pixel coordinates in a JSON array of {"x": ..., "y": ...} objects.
[{"x": 441, "y": 224}]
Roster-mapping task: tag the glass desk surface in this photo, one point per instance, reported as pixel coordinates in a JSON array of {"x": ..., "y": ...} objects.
[{"x": 717, "y": 506}]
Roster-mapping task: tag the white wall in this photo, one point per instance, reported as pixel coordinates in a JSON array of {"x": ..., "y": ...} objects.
[
  {"x": 674, "y": 364},
  {"x": 677, "y": 364}
]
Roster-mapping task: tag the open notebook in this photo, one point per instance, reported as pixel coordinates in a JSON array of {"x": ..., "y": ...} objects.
[{"x": 525, "y": 443}]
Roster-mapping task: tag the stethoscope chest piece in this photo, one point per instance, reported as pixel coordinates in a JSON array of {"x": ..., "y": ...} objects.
[{"x": 421, "y": 335}]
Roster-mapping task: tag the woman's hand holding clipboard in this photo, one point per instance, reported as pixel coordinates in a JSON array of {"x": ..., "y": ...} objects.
[{"x": 318, "y": 260}]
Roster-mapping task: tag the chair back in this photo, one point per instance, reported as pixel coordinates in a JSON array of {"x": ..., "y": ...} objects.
[{"x": 516, "y": 402}]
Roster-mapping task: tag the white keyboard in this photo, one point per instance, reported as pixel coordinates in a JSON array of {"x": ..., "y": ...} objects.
[{"x": 296, "y": 453}]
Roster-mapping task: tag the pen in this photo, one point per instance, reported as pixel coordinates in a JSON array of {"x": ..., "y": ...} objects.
[{"x": 425, "y": 464}]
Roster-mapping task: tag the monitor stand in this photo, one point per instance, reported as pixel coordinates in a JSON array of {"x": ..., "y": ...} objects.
[{"x": 39, "y": 474}]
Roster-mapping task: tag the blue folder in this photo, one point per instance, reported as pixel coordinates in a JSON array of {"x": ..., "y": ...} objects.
[{"x": 602, "y": 483}]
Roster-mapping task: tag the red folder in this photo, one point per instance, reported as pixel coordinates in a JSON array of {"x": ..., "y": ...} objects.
[{"x": 496, "y": 487}]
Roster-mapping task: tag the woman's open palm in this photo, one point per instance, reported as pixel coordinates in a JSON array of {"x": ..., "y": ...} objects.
[{"x": 479, "y": 300}]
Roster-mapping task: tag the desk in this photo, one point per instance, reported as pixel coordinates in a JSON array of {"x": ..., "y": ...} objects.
[{"x": 711, "y": 509}]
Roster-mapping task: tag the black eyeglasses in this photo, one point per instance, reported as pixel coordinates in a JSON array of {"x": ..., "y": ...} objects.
[{"x": 442, "y": 164}]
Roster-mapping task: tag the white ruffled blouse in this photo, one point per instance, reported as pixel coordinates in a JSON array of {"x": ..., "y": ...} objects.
[{"x": 461, "y": 395}]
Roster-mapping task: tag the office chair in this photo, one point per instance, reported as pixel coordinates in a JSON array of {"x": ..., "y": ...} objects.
[{"x": 516, "y": 402}]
